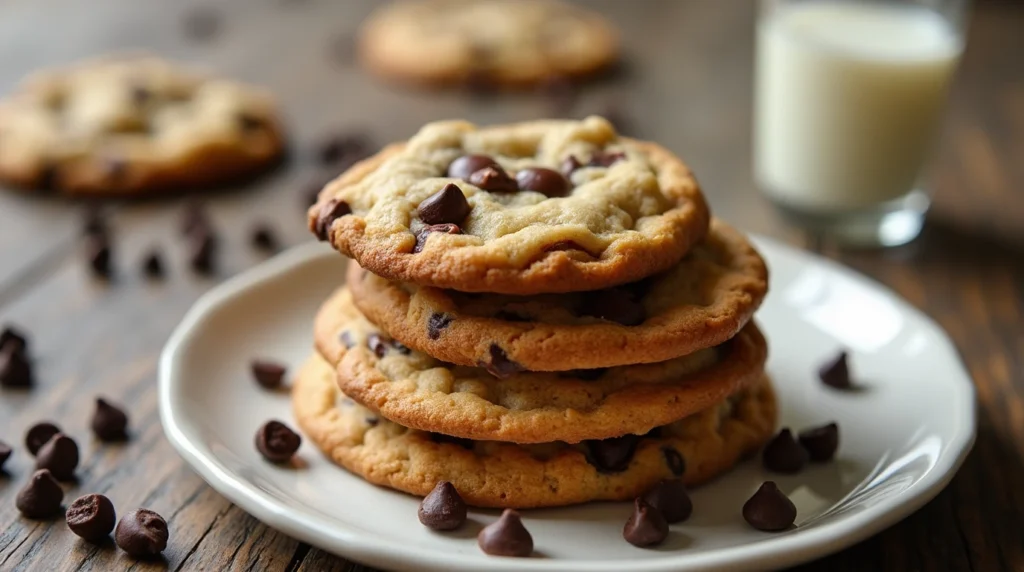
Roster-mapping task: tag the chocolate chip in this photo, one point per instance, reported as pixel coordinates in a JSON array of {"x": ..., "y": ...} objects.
[
  {"x": 142, "y": 533},
  {"x": 38, "y": 434},
  {"x": 421, "y": 236},
  {"x": 97, "y": 251},
  {"x": 346, "y": 339},
  {"x": 466, "y": 165},
  {"x": 443, "y": 508},
  {"x": 277, "y": 442},
  {"x": 821, "y": 442},
  {"x": 15, "y": 368},
  {"x": 41, "y": 496},
  {"x": 449, "y": 205},
  {"x": 784, "y": 455},
  {"x": 674, "y": 460},
  {"x": 612, "y": 455},
  {"x": 343, "y": 148},
  {"x": 203, "y": 250},
  {"x": 263, "y": 238},
  {"x": 836, "y": 373},
  {"x": 5, "y": 453},
  {"x": 615, "y": 305},
  {"x": 60, "y": 456},
  {"x": 14, "y": 339},
  {"x": 459, "y": 441},
  {"x": 606, "y": 158},
  {"x": 494, "y": 179},
  {"x": 500, "y": 366},
  {"x": 547, "y": 182},
  {"x": 506, "y": 537},
  {"x": 91, "y": 517},
  {"x": 267, "y": 373},
  {"x": 436, "y": 323},
  {"x": 569, "y": 165},
  {"x": 671, "y": 499},
  {"x": 109, "y": 422},
  {"x": 769, "y": 509},
  {"x": 330, "y": 212},
  {"x": 377, "y": 344},
  {"x": 202, "y": 24},
  {"x": 646, "y": 526}
]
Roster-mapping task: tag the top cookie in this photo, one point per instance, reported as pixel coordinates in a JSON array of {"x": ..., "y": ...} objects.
[
  {"x": 529, "y": 208},
  {"x": 132, "y": 125},
  {"x": 500, "y": 42}
]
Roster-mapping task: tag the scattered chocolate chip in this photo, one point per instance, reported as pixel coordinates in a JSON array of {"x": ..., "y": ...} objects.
[
  {"x": 249, "y": 122},
  {"x": 615, "y": 305},
  {"x": 443, "y": 508},
  {"x": 277, "y": 442},
  {"x": 612, "y": 455},
  {"x": 346, "y": 339},
  {"x": 459, "y": 441},
  {"x": 836, "y": 373},
  {"x": 60, "y": 456},
  {"x": 97, "y": 251},
  {"x": 506, "y": 537},
  {"x": 5, "y": 453},
  {"x": 769, "y": 509},
  {"x": 330, "y": 212},
  {"x": 153, "y": 265},
  {"x": 14, "y": 339},
  {"x": 109, "y": 422},
  {"x": 569, "y": 165},
  {"x": 821, "y": 442},
  {"x": 466, "y": 165},
  {"x": 15, "y": 367},
  {"x": 646, "y": 526},
  {"x": 500, "y": 366},
  {"x": 142, "y": 533},
  {"x": 91, "y": 517},
  {"x": 267, "y": 373},
  {"x": 547, "y": 182},
  {"x": 606, "y": 158},
  {"x": 421, "y": 236},
  {"x": 41, "y": 496},
  {"x": 203, "y": 250},
  {"x": 449, "y": 205},
  {"x": 674, "y": 460},
  {"x": 436, "y": 323},
  {"x": 671, "y": 499},
  {"x": 494, "y": 179},
  {"x": 263, "y": 238},
  {"x": 202, "y": 24},
  {"x": 38, "y": 434},
  {"x": 783, "y": 454},
  {"x": 343, "y": 148}
]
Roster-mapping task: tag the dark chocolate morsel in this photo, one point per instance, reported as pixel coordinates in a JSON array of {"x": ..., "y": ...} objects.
[
  {"x": 436, "y": 323},
  {"x": 330, "y": 212},
  {"x": 277, "y": 442},
  {"x": 41, "y": 496},
  {"x": 836, "y": 373},
  {"x": 674, "y": 460},
  {"x": 506, "y": 537},
  {"x": 91, "y": 517},
  {"x": 5, "y": 453},
  {"x": 784, "y": 455},
  {"x": 97, "y": 250},
  {"x": 109, "y": 422},
  {"x": 606, "y": 158},
  {"x": 38, "y": 434},
  {"x": 646, "y": 526},
  {"x": 443, "y": 508},
  {"x": 612, "y": 455},
  {"x": 263, "y": 238},
  {"x": 499, "y": 365},
  {"x": 15, "y": 367},
  {"x": 547, "y": 182},
  {"x": 60, "y": 456},
  {"x": 449, "y": 205},
  {"x": 377, "y": 344},
  {"x": 421, "y": 236},
  {"x": 142, "y": 533},
  {"x": 494, "y": 179},
  {"x": 268, "y": 374},
  {"x": 569, "y": 165},
  {"x": 203, "y": 249},
  {"x": 153, "y": 265},
  {"x": 466, "y": 165},
  {"x": 670, "y": 497},
  {"x": 821, "y": 442},
  {"x": 615, "y": 305},
  {"x": 769, "y": 509},
  {"x": 14, "y": 339}
]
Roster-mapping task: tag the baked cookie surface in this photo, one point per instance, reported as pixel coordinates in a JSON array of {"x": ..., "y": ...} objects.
[
  {"x": 701, "y": 302},
  {"x": 495, "y": 474},
  {"x": 500, "y": 42},
  {"x": 528, "y": 208},
  {"x": 418, "y": 391},
  {"x": 132, "y": 125}
]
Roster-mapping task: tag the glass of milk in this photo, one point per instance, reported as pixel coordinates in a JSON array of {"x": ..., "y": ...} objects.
[{"x": 849, "y": 98}]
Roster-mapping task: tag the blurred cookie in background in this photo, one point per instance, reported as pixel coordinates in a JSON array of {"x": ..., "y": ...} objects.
[{"x": 134, "y": 125}]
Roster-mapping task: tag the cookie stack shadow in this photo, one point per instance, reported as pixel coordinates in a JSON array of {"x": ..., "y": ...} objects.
[{"x": 564, "y": 395}]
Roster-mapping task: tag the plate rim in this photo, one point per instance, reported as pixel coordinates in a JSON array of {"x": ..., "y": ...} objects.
[{"x": 782, "y": 550}]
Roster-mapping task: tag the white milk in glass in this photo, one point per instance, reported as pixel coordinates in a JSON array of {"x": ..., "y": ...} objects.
[{"x": 849, "y": 97}]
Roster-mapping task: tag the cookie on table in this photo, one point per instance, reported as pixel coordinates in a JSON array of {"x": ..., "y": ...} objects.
[
  {"x": 134, "y": 125},
  {"x": 701, "y": 302},
  {"x": 494, "y": 474},
  {"x": 418, "y": 391},
  {"x": 504, "y": 43},
  {"x": 528, "y": 208}
]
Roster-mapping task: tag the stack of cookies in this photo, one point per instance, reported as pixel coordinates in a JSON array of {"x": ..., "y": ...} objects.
[{"x": 542, "y": 314}]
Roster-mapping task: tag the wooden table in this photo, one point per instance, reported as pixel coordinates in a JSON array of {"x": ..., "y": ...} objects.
[{"x": 687, "y": 84}]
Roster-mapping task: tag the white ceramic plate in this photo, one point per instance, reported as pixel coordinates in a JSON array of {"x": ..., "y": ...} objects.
[{"x": 901, "y": 439}]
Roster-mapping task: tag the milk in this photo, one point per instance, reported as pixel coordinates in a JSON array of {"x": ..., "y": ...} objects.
[{"x": 849, "y": 97}]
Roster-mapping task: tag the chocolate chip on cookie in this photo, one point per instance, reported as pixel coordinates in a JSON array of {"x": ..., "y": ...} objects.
[
  {"x": 60, "y": 456},
  {"x": 142, "y": 533},
  {"x": 268, "y": 374},
  {"x": 674, "y": 461},
  {"x": 506, "y": 537},
  {"x": 769, "y": 509},
  {"x": 615, "y": 305},
  {"x": 836, "y": 372},
  {"x": 15, "y": 367},
  {"x": 436, "y": 323},
  {"x": 547, "y": 182},
  {"x": 41, "y": 496},
  {"x": 330, "y": 212},
  {"x": 109, "y": 422},
  {"x": 606, "y": 158},
  {"x": 443, "y": 508},
  {"x": 466, "y": 165},
  {"x": 783, "y": 454},
  {"x": 421, "y": 236},
  {"x": 38, "y": 434},
  {"x": 91, "y": 517},
  {"x": 612, "y": 455},
  {"x": 569, "y": 165},
  {"x": 377, "y": 344},
  {"x": 821, "y": 442},
  {"x": 449, "y": 205},
  {"x": 277, "y": 442},
  {"x": 671, "y": 499},
  {"x": 494, "y": 179},
  {"x": 500, "y": 366},
  {"x": 646, "y": 526}
]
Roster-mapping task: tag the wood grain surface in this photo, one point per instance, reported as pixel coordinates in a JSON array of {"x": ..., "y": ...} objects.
[{"x": 686, "y": 83}]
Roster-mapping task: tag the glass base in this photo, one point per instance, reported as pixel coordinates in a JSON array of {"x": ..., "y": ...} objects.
[{"x": 888, "y": 224}]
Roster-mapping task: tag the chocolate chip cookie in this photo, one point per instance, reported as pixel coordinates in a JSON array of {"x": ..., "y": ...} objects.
[
  {"x": 504, "y": 403},
  {"x": 529, "y": 208},
  {"x": 134, "y": 125},
  {"x": 499, "y": 43},
  {"x": 701, "y": 302},
  {"x": 494, "y": 474}
]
